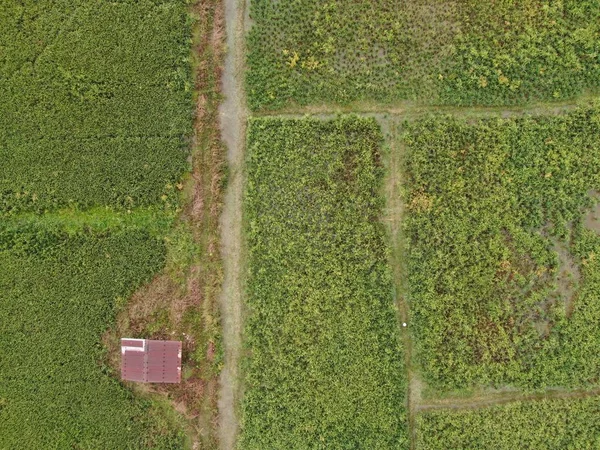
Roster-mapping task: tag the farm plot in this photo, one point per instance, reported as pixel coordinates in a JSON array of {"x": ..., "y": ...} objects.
[
  {"x": 58, "y": 294},
  {"x": 325, "y": 365},
  {"x": 459, "y": 52},
  {"x": 504, "y": 277},
  {"x": 550, "y": 424},
  {"x": 96, "y": 103}
]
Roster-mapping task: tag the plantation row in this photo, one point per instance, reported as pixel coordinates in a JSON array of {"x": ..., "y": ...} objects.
[
  {"x": 96, "y": 117},
  {"x": 325, "y": 367},
  {"x": 455, "y": 53},
  {"x": 96, "y": 103},
  {"x": 544, "y": 424},
  {"x": 58, "y": 293},
  {"x": 503, "y": 276}
]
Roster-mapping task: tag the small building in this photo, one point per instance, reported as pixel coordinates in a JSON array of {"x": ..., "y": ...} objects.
[{"x": 150, "y": 361}]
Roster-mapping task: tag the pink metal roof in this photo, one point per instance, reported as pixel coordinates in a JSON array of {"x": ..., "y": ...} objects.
[{"x": 150, "y": 361}]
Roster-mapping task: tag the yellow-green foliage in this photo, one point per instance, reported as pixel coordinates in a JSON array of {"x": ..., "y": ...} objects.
[
  {"x": 326, "y": 366},
  {"x": 95, "y": 102},
  {"x": 490, "y": 205},
  {"x": 433, "y": 51},
  {"x": 545, "y": 424}
]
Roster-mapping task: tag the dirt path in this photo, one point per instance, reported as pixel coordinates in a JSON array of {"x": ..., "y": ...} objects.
[
  {"x": 409, "y": 110},
  {"x": 503, "y": 398},
  {"x": 233, "y": 114}
]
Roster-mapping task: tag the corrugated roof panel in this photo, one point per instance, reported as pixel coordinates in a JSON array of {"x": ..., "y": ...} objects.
[{"x": 151, "y": 361}]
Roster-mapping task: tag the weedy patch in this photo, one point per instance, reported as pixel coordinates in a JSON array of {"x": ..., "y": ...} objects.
[
  {"x": 502, "y": 273},
  {"x": 311, "y": 52}
]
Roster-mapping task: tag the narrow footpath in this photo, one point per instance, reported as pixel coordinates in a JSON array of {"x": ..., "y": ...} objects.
[{"x": 232, "y": 114}]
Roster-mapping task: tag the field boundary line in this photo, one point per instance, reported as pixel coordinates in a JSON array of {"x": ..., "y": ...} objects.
[
  {"x": 416, "y": 111},
  {"x": 490, "y": 400},
  {"x": 392, "y": 217}
]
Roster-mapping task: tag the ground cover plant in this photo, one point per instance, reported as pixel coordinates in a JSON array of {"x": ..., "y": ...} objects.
[
  {"x": 58, "y": 292},
  {"x": 459, "y": 52},
  {"x": 549, "y": 424},
  {"x": 325, "y": 366},
  {"x": 96, "y": 103},
  {"x": 98, "y": 129},
  {"x": 503, "y": 274}
]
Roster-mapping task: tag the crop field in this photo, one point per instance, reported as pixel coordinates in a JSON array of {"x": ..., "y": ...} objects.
[
  {"x": 325, "y": 365},
  {"x": 98, "y": 209},
  {"x": 503, "y": 273},
  {"x": 414, "y": 267},
  {"x": 58, "y": 292},
  {"x": 453, "y": 52},
  {"x": 549, "y": 424},
  {"x": 96, "y": 103}
]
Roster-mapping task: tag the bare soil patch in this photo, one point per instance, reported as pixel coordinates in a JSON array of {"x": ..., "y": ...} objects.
[{"x": 592, "y": 218}]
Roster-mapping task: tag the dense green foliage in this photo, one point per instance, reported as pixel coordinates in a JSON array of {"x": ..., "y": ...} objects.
[
  {"x": 326, "y": 366},
  {"x": 546, "y": 424},
  {"x": 504, "y": 279},
  {"x": 463, "y": 52},
  {"x": 58, "y": 293},
  {"x": 95, "y": 101}
]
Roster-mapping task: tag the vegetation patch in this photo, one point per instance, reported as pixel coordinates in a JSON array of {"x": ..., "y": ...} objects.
[
  {"x": 58, "y": 293},
  {"x": 325, "y": 366},
  {"x": 503, "y": 275},
  {"x": 453, "y": 52},
  {"x": 550, "y": 424},
  {"x": 96, "y": 103},
  {"x": 105, "y": 106}
]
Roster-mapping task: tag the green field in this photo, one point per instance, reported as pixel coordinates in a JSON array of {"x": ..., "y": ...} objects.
[
  {"x": 503, "y": 274},
  {"x": 95, "y": 100},
  {"x": 400, "y": 279},
  {"x": 546, "y": 424},
  {"x": 96, "y": 115},
  {"x": 435, "y": 52},
  {"x": 326, "y": 365},
  {"x": 58, "y": 293}
]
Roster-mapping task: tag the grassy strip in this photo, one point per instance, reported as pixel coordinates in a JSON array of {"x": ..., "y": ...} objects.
[
  {"x": 155, "y": 221},
  {"x": 503, "y": 275},
  {"x": 548, "y": 424},
  {"x": 326, "y": 365}
]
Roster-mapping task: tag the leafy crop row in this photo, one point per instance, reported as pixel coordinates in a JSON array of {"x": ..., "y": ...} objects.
[
  {"x": 95, "y": 100},
  {"x": 465, "y": 52},
  {"x": 58, "y": 293},
  {"x": 548, "y": 424},
  {"x": 326, "y": 366},
  {"x": 504, "y": 278}
]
